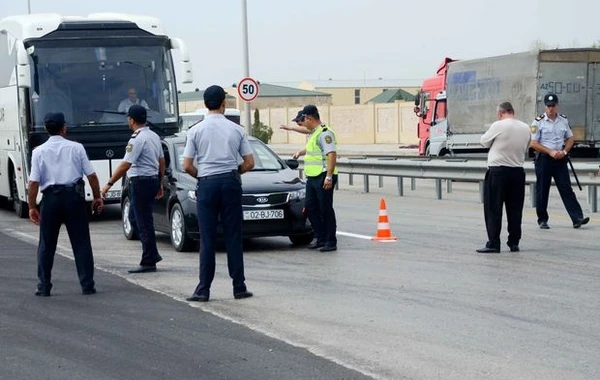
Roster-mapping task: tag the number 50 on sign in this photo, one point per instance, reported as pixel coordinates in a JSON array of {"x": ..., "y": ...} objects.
[{"x": 248, "y": 89}]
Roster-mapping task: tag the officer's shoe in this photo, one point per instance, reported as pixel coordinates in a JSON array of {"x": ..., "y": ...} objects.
[
  {"x": 88, "y": 291},
  {"x": 43, "y": 293},
  {"x": 513, "y": 247},
  {"x": 581, "y": 222},
  {"x": 544, "y": 225},
  {"x": 143, "y": 269},
  {"x": 488, "y": 250},
  {"x": 241, "y": 295},
  {"x": 198, "y": 298},
  {"x": 328, "y": 248},
  {"x": 316, "y": 245}
]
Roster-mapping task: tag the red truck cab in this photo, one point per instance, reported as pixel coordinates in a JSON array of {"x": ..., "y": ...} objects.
[{"x": 425, "y": 101}]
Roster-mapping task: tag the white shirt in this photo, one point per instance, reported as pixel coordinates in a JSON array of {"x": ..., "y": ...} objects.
[
  {"x": 126, "y": 103},
  {"x": 59, "y": 161},
  {"x": 508, "y": 140}
]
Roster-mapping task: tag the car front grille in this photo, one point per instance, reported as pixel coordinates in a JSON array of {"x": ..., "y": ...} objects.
[{"x": 262, "y": 200}]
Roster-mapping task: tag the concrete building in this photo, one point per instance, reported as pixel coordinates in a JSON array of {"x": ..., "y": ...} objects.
[{"x": 347, "y": 93}]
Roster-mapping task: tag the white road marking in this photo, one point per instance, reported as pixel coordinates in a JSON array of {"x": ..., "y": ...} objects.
[{"x": 350, "y": 234}]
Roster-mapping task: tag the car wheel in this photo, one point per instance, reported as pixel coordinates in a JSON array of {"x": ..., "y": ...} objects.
[
  {"x": 179, "y": 237},
  {"x": 303, "y": 239},
  {"x": 129, "y": 229}
]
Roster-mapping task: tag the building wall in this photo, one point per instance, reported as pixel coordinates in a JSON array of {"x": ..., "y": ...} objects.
[
  {"x": 345, "y": 96},
  {"x": 391, "y": 123},
  {"x": 192, "y": 105}
]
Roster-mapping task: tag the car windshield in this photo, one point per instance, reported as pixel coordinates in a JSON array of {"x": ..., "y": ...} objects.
[
  {"x": 95, "y": 85},
  {"x": 264, "y": 159}
]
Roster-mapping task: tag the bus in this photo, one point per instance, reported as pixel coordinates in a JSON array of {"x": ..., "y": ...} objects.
[{"x": 89, "y": 68}]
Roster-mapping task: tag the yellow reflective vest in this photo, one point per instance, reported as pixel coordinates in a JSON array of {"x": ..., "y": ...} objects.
[{"x": 315, "y": 162}]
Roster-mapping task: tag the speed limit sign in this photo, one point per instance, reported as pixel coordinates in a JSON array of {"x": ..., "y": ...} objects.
[{"x": 248, "y": 89}]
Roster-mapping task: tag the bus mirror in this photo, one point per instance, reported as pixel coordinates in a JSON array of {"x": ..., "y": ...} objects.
[
  {"x": 23, "y": 68},
  {"x": 177, "y": 43}
]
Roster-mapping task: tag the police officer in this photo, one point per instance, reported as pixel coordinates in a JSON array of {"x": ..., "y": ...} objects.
[
  {"x": 215, "y": 145},
  {"x": 322, "y": 175},
  {"x": 552, "y": 139},
  {"x": 144, "y": 164},
  {"x": 57, "y": 169}
]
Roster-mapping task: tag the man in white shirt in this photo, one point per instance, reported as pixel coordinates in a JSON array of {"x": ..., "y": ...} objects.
[
  {"x": 131, "y": 100},
  {"x": 508, "y": 140}
]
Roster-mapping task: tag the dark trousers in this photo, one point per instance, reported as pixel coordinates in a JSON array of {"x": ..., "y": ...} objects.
[
  {"x": 220, "y": 196},
  {"x": 319, "y": 209},
  {"x": 503, "y": 186},
  {"x": 143, "y": 192},
  {"x": 547, "y": 168},
  {"x": 64, "y": 206}
]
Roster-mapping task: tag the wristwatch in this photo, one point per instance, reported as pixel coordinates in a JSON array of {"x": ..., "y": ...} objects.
[
  {"x": 109, "y": 183},
  {"x": 328, "y": 179}
]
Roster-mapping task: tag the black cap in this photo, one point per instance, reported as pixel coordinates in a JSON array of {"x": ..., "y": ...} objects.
[
  {"x": 550, "y": 99},
  {"x": 310, "y": 110},
  {"x": 214, "y": 96},
  {"x": 137, "y": 113},
  {"x": 299, "y": 117},
  {"x": 55, "y": 119}
]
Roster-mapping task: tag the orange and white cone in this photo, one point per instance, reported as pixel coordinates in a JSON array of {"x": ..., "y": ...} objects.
[{"x": 384, "y": 233}]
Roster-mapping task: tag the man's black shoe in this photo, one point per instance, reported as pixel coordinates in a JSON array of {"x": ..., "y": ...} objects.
[
  {"x": 581, "y": 222},
  {"x": 488, "y": 250},
  {"x": 43, "y": 293},
  {"x": 240, "y": 295},
  {"x": 89, "y": 291},
  {"x": 514, "y": 248},
  {"x": 315, "y": 246},
  {"x": 544, "y": 225},
  {"x": 198, "y": 298},
  {"x": 328, "y": 248},
  {"x": 143, "y": 269}
]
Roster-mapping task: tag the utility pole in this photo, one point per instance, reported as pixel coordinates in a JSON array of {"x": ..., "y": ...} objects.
[
  {"x": 247, "y": 117},
  {"x": 29, "y": 6}
]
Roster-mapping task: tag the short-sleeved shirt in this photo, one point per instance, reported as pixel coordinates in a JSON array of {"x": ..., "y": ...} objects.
[
  {"x": 326, "y": 141},
  {"x": 59, "y": 161},
  {"x": 126, "y": 103},
  {"x": 551, "y": 133},
  {"x": 143, "y": 152},
  {"x": 217, "y": 145}
]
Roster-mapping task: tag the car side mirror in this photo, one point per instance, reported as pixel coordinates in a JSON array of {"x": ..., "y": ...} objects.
[
  {"x": 168, "y": 172},
  {"x": 293, "y": 164}
]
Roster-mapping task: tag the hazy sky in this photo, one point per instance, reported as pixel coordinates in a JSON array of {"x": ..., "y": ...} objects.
[{"x": 293, "y": 41}]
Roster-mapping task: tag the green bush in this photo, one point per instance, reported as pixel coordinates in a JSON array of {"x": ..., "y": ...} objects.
[{"x": 259, "y": 130}]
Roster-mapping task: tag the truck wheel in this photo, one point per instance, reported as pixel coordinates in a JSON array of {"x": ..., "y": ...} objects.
[
  {"x": 179, "y": 237},
  {"x": 129, "y": 230},
  {"x": 21, "y": 208}
]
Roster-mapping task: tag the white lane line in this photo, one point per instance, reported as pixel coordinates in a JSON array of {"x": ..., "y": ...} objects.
[{"x": 350, "y": 234}]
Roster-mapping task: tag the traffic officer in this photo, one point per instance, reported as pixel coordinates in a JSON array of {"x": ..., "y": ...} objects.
[
  {"x": 215, "y": 145},
  {"x": 57, "y": 170},
  {"x": 322, "y": 175},
  {"x": 552, "y": 139},
  {"x": 144, "y": 164}
]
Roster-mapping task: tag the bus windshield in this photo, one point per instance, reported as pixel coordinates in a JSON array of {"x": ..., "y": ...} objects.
[{"x": 95, "y": 86}]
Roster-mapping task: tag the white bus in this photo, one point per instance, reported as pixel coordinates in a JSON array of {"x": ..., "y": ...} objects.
[{"x": 84, "y": 67}]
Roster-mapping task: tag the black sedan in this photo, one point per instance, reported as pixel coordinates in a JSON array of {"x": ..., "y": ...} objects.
[{"x": 272, "y": 199}]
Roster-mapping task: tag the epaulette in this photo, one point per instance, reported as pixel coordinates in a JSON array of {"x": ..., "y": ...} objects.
[
  {"x": 135, "y": 134},
  {"x": 565, "y": 116},
  {"x": 324, "y": 129},
  {"x": 539, "y": 117}
]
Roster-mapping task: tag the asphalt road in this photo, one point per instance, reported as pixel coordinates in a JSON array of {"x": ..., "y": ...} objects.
[
  {"x": 128, "y": 332},
  {"x": 424, "y": 307}
]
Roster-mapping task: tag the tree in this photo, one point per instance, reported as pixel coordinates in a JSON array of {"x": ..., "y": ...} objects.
[
  {"x": 259, "y": 130},
  {"x": 596, "y": 45}
]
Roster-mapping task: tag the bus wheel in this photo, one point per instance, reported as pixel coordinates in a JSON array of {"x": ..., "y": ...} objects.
[{"x": 21, "y": 208}]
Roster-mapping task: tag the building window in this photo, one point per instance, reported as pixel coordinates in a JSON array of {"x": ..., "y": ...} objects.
[{"x": 357, "y": 96}]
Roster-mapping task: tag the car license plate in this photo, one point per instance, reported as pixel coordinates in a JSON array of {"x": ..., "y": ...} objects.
[
  {"x": 113, "y": 194},
  {"x": 263, "y": 214}
]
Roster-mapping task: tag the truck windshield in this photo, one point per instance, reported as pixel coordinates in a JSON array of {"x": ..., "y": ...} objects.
[{"x": 95, "y": 86}]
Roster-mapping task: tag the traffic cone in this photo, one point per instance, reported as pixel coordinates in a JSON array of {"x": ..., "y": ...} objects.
[{"x": 383, "y": 226}]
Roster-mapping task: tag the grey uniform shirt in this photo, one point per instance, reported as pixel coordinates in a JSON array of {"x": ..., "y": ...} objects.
[
  {"x": 551, "y": 134},
  {"x": 59, "y": 161},
  {"x": 216, "y": 145},
  {"x": 326, "y": 141},
  {"x": 143, "y": 152}
]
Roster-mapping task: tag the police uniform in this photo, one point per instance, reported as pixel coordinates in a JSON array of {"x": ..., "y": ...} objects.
[
  {"x": 552, "y": 135},
  {"x": 319, "y": 201},
  {"x": 215, "y": 145},
  {"x": 143, "y": 152},
  {"x": 58, "y": 165}
]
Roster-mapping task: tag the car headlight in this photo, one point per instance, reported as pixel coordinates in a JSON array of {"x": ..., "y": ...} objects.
[
  {"x": 192, "y": 195},
  {"x": 298, "y": 194}
]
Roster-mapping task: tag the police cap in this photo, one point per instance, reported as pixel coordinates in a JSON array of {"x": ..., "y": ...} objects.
[
  {"x": 214, "y": 97},
  {"x": 310, "y": 110},
  {"x": 54, "y": 119},
  {"x": 550, "y": 99},
  {"x": 299, "y": 117},
  {"x": 137, "y": 113}
]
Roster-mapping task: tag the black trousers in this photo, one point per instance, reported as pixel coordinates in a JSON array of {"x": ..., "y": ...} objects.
[
  {"x": 220, "y": 195},
  {"x": 64, "y": 205},
  {"x": 319, "y": 209},
  {"x": 547, "y": 168},
  {"x": 143, "y": 191},
  {"x": 503, "y": 186}
]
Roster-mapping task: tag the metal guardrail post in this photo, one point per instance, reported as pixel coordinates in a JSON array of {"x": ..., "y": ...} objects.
[
  {"x": 380, "y": 181},
  {"x": 594, "y": 197},
  {"x": 481, "y": 191},
  {"x": 589, "y": 194},
  {"x": 532, "y": 194},
  {"x": 413, "y": 184},
  {"x": 351, "y": 179},
  {"x": 449, "y": 186},
  {"x": 400, "y": 186},
  {"x": 366, "y": 183},
  {"x": 300, "y": 173},
  {"x": 438, "y": 188}
]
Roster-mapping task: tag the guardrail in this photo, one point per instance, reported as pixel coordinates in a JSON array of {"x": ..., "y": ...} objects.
[{"x": 452, "y": 170}]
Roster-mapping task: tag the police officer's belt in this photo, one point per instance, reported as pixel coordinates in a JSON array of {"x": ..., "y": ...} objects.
[
  {"x": 230, "y": 174},
  {"x": 142, "y": 178}
]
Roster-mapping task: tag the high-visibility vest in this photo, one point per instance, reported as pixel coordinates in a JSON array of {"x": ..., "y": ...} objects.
[{"x": 315, "y": 162}]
